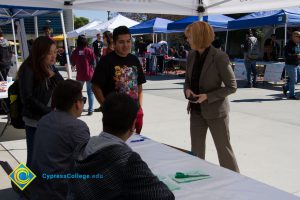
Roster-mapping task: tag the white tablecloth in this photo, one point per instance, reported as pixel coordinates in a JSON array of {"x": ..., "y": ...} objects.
[
  {"x": 224, "y": 184},
  {"x": 272, "y": 73}
]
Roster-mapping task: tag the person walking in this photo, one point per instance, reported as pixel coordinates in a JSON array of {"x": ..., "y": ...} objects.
[{"x": 83, "y": 58}]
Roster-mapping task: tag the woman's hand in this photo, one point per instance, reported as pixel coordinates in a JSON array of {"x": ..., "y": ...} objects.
[
  {"x": 201, "y": 98},
  {"x": 189, "y": 93},
  {"x": 51, "y": 73}
]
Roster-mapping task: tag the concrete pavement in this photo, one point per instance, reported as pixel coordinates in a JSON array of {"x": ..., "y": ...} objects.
[{"x": 265, "y": 130}]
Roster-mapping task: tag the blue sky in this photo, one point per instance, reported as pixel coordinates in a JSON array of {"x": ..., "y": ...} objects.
[{"x": 91, "y": 15}]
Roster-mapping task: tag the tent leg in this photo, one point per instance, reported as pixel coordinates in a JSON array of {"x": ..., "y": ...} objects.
[
  {"x": 226, "y": 41},
  {"x": 14, "y": 35},
  {"x": 153, "y": 38},
  {"x": 285, "y": 33},
  {"x": 36, "y": 29},
  {"x": 69, "y": 71}
]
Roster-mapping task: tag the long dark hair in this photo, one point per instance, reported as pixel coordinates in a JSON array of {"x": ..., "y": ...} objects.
[
  {"x": 109, "y": 37},
  {"x": 82, "y": 41},
  {"x": 40, "y": 49}
]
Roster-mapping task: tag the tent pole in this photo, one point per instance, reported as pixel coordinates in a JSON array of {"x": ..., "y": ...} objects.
[
  {"x": 285, "y": 33},
  {"x": 153, "y": 38},
  {"x": 69, "y": 71},
  {"x": 226, "y": 41},
  {"x": 200, "y": 16},
  {"x": 36, "y": 29},
  {"x": 274, "y": 29},
  {"x": 14, "y": 34}
]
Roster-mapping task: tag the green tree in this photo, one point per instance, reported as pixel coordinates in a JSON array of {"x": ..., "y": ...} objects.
[{"x": 80, "y": 21}]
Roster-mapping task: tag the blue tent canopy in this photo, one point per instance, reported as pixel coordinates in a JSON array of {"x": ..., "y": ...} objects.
[
  {"x": 17, "y": 12},
  {"x": 218, "y": 22},
  {"x": 156, "y": 25},
  {"x": 275, "y": 17}
]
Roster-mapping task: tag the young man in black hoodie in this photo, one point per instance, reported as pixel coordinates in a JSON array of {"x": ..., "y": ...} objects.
[{"x": 292, "y": 61}]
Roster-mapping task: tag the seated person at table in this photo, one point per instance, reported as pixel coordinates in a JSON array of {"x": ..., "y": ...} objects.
[
  {"x": 125, "y": 174},
  {"x": 57, "y": 135}
]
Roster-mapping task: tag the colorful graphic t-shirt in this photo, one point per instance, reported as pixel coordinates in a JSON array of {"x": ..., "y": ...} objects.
[{"x": 119, "y": 74}]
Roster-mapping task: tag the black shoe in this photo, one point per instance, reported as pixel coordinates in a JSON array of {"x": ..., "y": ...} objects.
[
  {"x": 90, "y": 113},
  {"x": 98, "y": 109},
  {"x": 248, "y": 86},
  {"x": 284, "y": 91},
  {"x": 293, "y": 98},
  {"x": 254, "y": 85}
]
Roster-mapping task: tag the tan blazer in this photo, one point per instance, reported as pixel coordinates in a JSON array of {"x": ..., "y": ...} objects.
[{"x": 217, "y": 80}]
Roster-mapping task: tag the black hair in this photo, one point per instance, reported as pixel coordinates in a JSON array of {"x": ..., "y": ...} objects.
[
  {"x": 66, "y": 94},
  {"x": 47, "y": 28},
  {"x": 82, "y": 41},
  {"x": 119, "y": 112},
  {"x": 121, "y": 30}
]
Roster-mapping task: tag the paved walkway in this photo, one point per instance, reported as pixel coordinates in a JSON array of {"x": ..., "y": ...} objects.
[{"x": 265, "y": 131}]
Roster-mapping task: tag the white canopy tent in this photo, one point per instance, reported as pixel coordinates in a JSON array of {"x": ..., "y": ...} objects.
[
  {"x": 110, "y": 25},
  {"x": 83, "y": 29},
  {"x": 178, "y": 7}
]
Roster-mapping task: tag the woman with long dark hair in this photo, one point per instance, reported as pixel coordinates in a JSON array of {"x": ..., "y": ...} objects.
[
  {"x": 108, "y": 42},
  {"x": 37, "y": 80}
]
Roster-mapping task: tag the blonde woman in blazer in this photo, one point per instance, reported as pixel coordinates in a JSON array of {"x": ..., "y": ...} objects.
[{"x": 209, "y": 80}]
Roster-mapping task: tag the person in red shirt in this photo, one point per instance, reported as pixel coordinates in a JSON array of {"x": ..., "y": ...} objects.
[{"x": 84, "y": 59}]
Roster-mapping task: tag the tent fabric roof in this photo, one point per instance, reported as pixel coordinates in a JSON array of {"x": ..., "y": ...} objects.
[
  {"x": 156, "y": 25},
  {"x": 274, "y": 17},
  {"x": 218, "y": 22},
  {"x": 82, "y": 30},
  {"x": 177, "y": 7},
  {"x": 18, "y": 12},
  {"x": 110, "y": 25}
]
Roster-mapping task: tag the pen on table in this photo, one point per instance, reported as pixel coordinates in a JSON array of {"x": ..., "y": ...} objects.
[{"x": 138, "y": 140}]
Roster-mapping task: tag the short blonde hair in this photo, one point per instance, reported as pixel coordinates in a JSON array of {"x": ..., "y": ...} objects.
[
  {"x": 296, "y": 33},
  {"x": 202, "y": 34}
]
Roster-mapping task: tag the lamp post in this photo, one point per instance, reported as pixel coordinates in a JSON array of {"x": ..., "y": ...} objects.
[{"x": 108, "y": 15}]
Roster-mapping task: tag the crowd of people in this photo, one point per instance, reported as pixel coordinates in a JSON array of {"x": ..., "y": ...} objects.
[{"x": 59, "y": 143}]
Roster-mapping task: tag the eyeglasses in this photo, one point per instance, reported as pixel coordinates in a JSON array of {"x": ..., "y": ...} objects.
[{"x": 83, "y": 99}]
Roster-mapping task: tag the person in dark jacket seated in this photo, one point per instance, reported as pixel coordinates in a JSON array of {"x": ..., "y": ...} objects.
[{"x": 124, "y": 175}]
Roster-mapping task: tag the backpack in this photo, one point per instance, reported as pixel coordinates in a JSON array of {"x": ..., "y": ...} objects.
[
  {"x": 253, "y": 49},
  {"x": 15, "y": 106}
]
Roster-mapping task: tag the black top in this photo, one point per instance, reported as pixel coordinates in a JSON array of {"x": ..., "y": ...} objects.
[
  {"x": 125, "y": 176},
  {"x": 35, "y": 96},
  {"x": 97, "y": 46},
  {"x": 119, "y": 74},
  {"x": 196, "y": 73},
  {"x": 290, "y": 54}
]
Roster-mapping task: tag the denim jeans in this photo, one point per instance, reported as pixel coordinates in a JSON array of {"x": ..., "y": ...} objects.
[
  {"x": 293, "y": 73},
  {"x": 251, "y": 68},
  {"x": 90, "y": 94},
  {"x": 30, "y": 133}
]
